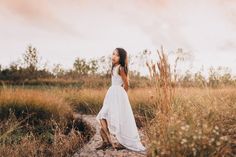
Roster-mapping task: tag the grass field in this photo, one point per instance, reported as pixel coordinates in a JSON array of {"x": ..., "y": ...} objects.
[{"x": 201, "y": 123}]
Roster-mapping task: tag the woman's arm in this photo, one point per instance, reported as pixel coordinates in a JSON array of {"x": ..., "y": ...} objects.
[{"x": 124, "y": 78}]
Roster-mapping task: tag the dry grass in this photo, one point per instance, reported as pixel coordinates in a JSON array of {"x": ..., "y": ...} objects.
[
  {"x": 91, "y": 81},
  {"x": 202, "y": 124},
  {"x": 178, "y": 121},
  {"x": 23, "y": 100},
  {"x": 197, "y": 117},
  {"x": 190, "y": 121},
  {"x": 38, "y": 123},
  {"x": 161, "y": 78},
  {"x": 15, "y": 142}
]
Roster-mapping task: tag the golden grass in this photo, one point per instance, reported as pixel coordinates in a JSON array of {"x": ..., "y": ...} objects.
[
  {"x": 29, "y": 144},
  {"x": 190, "y": 121},
  {"x": 202, "y": 124},
  {"x": 38, "y": 123},
  {"x": 201, "y": 121},
  {"x": 36, "y": 100},
  {"x": 197, "y": 116}
]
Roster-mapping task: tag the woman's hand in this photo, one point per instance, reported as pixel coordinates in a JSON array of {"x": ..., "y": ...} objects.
[
  {"x": 125, "y": 87},
  {"x": 124, "y": 78}
]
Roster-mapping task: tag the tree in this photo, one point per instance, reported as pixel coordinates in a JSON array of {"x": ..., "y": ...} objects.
[
  {"x": 31, "y": 58},
  {"x": 80, "y": 66},
  {"x": 187, "y": 79},
  {"x": 93, "y": 66},
  {"x": 199, "y": 79},
  {"x": 104, "y": 63},
  {"x": 58, "y": 70}
]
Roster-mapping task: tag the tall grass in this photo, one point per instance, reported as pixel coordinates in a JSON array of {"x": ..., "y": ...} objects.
[
  {"x": 18, "y": 139},
  {"x": 90, "y": 101},
  {"x": 43, "y": 104},
  {"x": 179, "y": 121},
  {"x": 161, "y": 77},
  {"x": 190, "y": 122},
  {"x": 39, "y": 123}
]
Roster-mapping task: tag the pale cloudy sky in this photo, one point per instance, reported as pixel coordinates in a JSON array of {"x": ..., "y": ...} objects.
[{"x": 65, "y": 29}]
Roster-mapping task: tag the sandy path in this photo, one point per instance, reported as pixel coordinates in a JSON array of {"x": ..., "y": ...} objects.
[{"x": 89, "y": 148}]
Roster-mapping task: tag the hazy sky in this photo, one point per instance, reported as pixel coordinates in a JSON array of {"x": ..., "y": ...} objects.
[{"x": 65, "y": 29}]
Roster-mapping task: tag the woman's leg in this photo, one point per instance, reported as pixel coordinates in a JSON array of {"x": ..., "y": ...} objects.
[
  {"x": 105, "y": 144},
  {"x": 106, "y": 131},
  {"x": 104, "y": 136}
]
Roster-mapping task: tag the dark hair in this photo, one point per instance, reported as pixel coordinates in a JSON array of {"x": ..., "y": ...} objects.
[{"x": 123, "y": 59}]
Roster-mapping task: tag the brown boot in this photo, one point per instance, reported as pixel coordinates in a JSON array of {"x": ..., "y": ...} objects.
[{"x": 104, "y": 146}]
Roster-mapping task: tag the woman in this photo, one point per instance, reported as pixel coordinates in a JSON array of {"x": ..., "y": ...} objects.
[{"x": 116, "y": 115}]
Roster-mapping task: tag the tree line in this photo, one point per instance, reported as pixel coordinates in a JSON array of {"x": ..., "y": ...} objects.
[{"x": 30, "y": 67}]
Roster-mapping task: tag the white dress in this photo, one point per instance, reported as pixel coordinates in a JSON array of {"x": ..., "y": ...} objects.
[{"x": 117, "y": 111}]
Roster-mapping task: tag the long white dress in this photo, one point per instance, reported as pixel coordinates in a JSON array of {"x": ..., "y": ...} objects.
[{"x": 117, "y": 111}]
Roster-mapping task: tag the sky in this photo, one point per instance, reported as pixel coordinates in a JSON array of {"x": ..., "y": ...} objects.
[{"x": 62, "y": 30}]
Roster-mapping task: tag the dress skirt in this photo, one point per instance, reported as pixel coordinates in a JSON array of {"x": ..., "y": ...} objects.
[{"x": 117, "y": 111}]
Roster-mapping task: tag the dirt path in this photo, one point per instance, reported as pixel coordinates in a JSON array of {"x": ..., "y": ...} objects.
[{"x": 89, "y": 148}]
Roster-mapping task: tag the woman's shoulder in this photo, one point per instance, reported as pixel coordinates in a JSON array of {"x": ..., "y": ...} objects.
[{"x": 121, "y": 69}]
